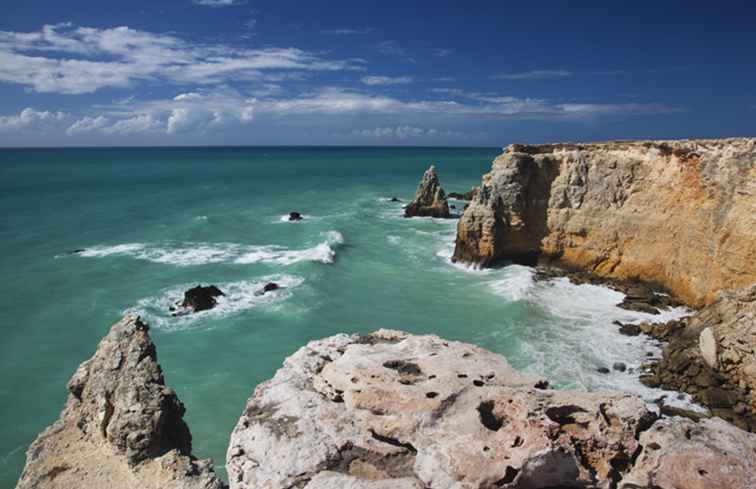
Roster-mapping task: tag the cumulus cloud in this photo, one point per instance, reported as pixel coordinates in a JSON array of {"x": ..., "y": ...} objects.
[
  {"x": 87, "y": 124},
  {"x": 534, "y": 75},
  {"x": 403, "y": 132},
  {"x": 66, "y": 59},
  {"x": 386, "y": 80},
  {"x": 31, "y": 119},
  {"x": 441, "y": 53}
]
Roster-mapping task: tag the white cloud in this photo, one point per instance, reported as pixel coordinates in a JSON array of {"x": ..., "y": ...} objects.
[
  {"x": 534, "y": 75},
  {"x": 219, "y": 3},
  {"x": 142, "y": 123},
  {"x": 442, "y": 53},
  {"x": 347, "y": 32},
  {"x": 87, "y": 124},
  {"x": 31, "y": 119},
  {"x": 74, "y": 60},
  {"x": 386, "y": 80}
]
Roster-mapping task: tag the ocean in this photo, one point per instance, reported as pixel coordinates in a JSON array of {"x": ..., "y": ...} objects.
[{"x": 154, "y": 222}]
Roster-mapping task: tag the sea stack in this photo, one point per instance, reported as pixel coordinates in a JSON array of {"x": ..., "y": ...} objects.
[
  {"x": 430, "y": 199},
  {"x": 121, "y": 427},
  {"x": 400, "y": 411}
]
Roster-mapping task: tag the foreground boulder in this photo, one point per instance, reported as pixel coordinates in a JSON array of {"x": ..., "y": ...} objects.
[
  {"x": 121, "y": 427},
  {"x": 430, "y": 200},
  {"x": 676, "y": 213},
  {"x": 201, "y": 298},
  {"x": 393, "y": 410}
]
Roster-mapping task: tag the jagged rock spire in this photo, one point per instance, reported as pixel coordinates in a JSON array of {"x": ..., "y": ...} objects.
[{"x": 430, "y": 199}]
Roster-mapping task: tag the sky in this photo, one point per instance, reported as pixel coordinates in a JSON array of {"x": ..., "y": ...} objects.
[{"x": 472, "y": 73}]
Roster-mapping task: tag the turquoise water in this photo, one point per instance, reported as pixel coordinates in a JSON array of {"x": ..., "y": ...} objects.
[{"x": 154, "y": 222}]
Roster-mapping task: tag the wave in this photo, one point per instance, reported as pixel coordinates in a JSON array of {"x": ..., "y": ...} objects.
[
  {"x": 239, "y": 297},
  {"x": 192, "y": 254},
  {"x": 576, "y": 336}
]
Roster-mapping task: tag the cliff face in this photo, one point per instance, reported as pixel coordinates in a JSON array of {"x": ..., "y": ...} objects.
[
  {"x": 122, "y": 427},
  {"x": 393, "y": 410},
  {"x": 678, "y": 213}
]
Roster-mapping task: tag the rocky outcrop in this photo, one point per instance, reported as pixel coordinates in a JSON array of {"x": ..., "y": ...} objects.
[
  {"x": 712, "y": 356},
  {"x": 678, "y": 213},
  {"x": 430, "y": 199},
  {"x": 121, "y": 427},
  {"x": 678, "y": 453},
  {"x": 201, "y": 298},
  {"x": 393, "y": 410}
]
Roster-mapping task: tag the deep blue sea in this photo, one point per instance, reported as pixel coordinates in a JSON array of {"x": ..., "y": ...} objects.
[{"x": 154, "y": 222}]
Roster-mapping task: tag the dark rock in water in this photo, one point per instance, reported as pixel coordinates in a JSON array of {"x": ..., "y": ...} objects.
[
  {"x": 394, "y": 199},
  {"x": 630, "y": 329},
  {"x": 295, "y": 216},
  {"x": 76, "y": 251},
  {"x": 619, "y": 366},
  {"x": 201, "y": 298},
  {"x": 452, "y": 206},
  {"x": 270, "y": 286},
  {"x": 602, "y": 370},
  {"x": 430, "y": 199}
]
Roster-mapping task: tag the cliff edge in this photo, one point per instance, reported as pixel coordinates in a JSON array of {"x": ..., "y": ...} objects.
[
  {"x": 681, "y": 214},
  {"x": 121, "y": 427}
]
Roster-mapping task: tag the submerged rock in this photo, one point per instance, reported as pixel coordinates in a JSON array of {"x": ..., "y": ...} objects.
[
  {"x": 201, "y": 298},
  {"x": 121, "y": 427},
  {"x": 394, "y": 199},
  {"x": 393, "y": 410},
  {"x": 430, "y": 199},
  {"x": 295, "y": 216},
  {"x": 270, "y": 286}
]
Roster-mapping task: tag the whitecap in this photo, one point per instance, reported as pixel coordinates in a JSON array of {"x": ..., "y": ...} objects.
[
  {"x": 192, "y": 254},
  {"x": 238, "y": 297},
  {"x": 394, "y": 240},
  {"x": 575, "y": 335},
  {"x": 121, "y": 249}
]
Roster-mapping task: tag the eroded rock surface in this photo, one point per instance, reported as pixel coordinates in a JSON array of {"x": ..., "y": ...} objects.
[
  {"x": 121, "y": 427},
  {"x": 393, "y": 410},
  {"x": 678, "y": 213},
  {"x": 430, "y": 199}
]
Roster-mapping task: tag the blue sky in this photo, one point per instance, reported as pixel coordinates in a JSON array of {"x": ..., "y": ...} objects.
[{"x": 198, "y": 72}]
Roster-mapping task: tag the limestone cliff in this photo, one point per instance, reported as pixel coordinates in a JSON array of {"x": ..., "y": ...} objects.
[
  {"x": 397, "y": 411},
  {"x": 430, "y": 199},
  {"x": 678, "y": 213},
  {"x": 121, "y": 427}
]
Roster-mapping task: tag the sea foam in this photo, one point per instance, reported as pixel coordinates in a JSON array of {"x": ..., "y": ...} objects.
[
  {"x": 239, "y": 296},
  {"x": 191, "y": 254}
]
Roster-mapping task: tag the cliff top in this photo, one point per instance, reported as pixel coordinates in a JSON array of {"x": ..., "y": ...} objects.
[{"x": 663, "y": 146}]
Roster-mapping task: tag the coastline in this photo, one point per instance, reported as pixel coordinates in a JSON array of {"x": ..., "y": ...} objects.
[{"x": 643, "y": 294}]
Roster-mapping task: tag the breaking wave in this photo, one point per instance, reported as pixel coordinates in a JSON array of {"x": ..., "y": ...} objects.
[
  {"x": 191, "y": 254},
  {"x": 239, "y": 296}
]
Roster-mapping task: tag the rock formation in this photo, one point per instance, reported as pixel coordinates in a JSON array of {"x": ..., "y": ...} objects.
[
  {"x": 677, "y": 213},
  {"x": 712, "y": 356},
  {"x": 392, "y": 410},
  {"x": 295, "y": 216},
  {"x": 201, "y": 298},
  {"x": 430, "y": 199},
  {"x": 121, "y": 427}
]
